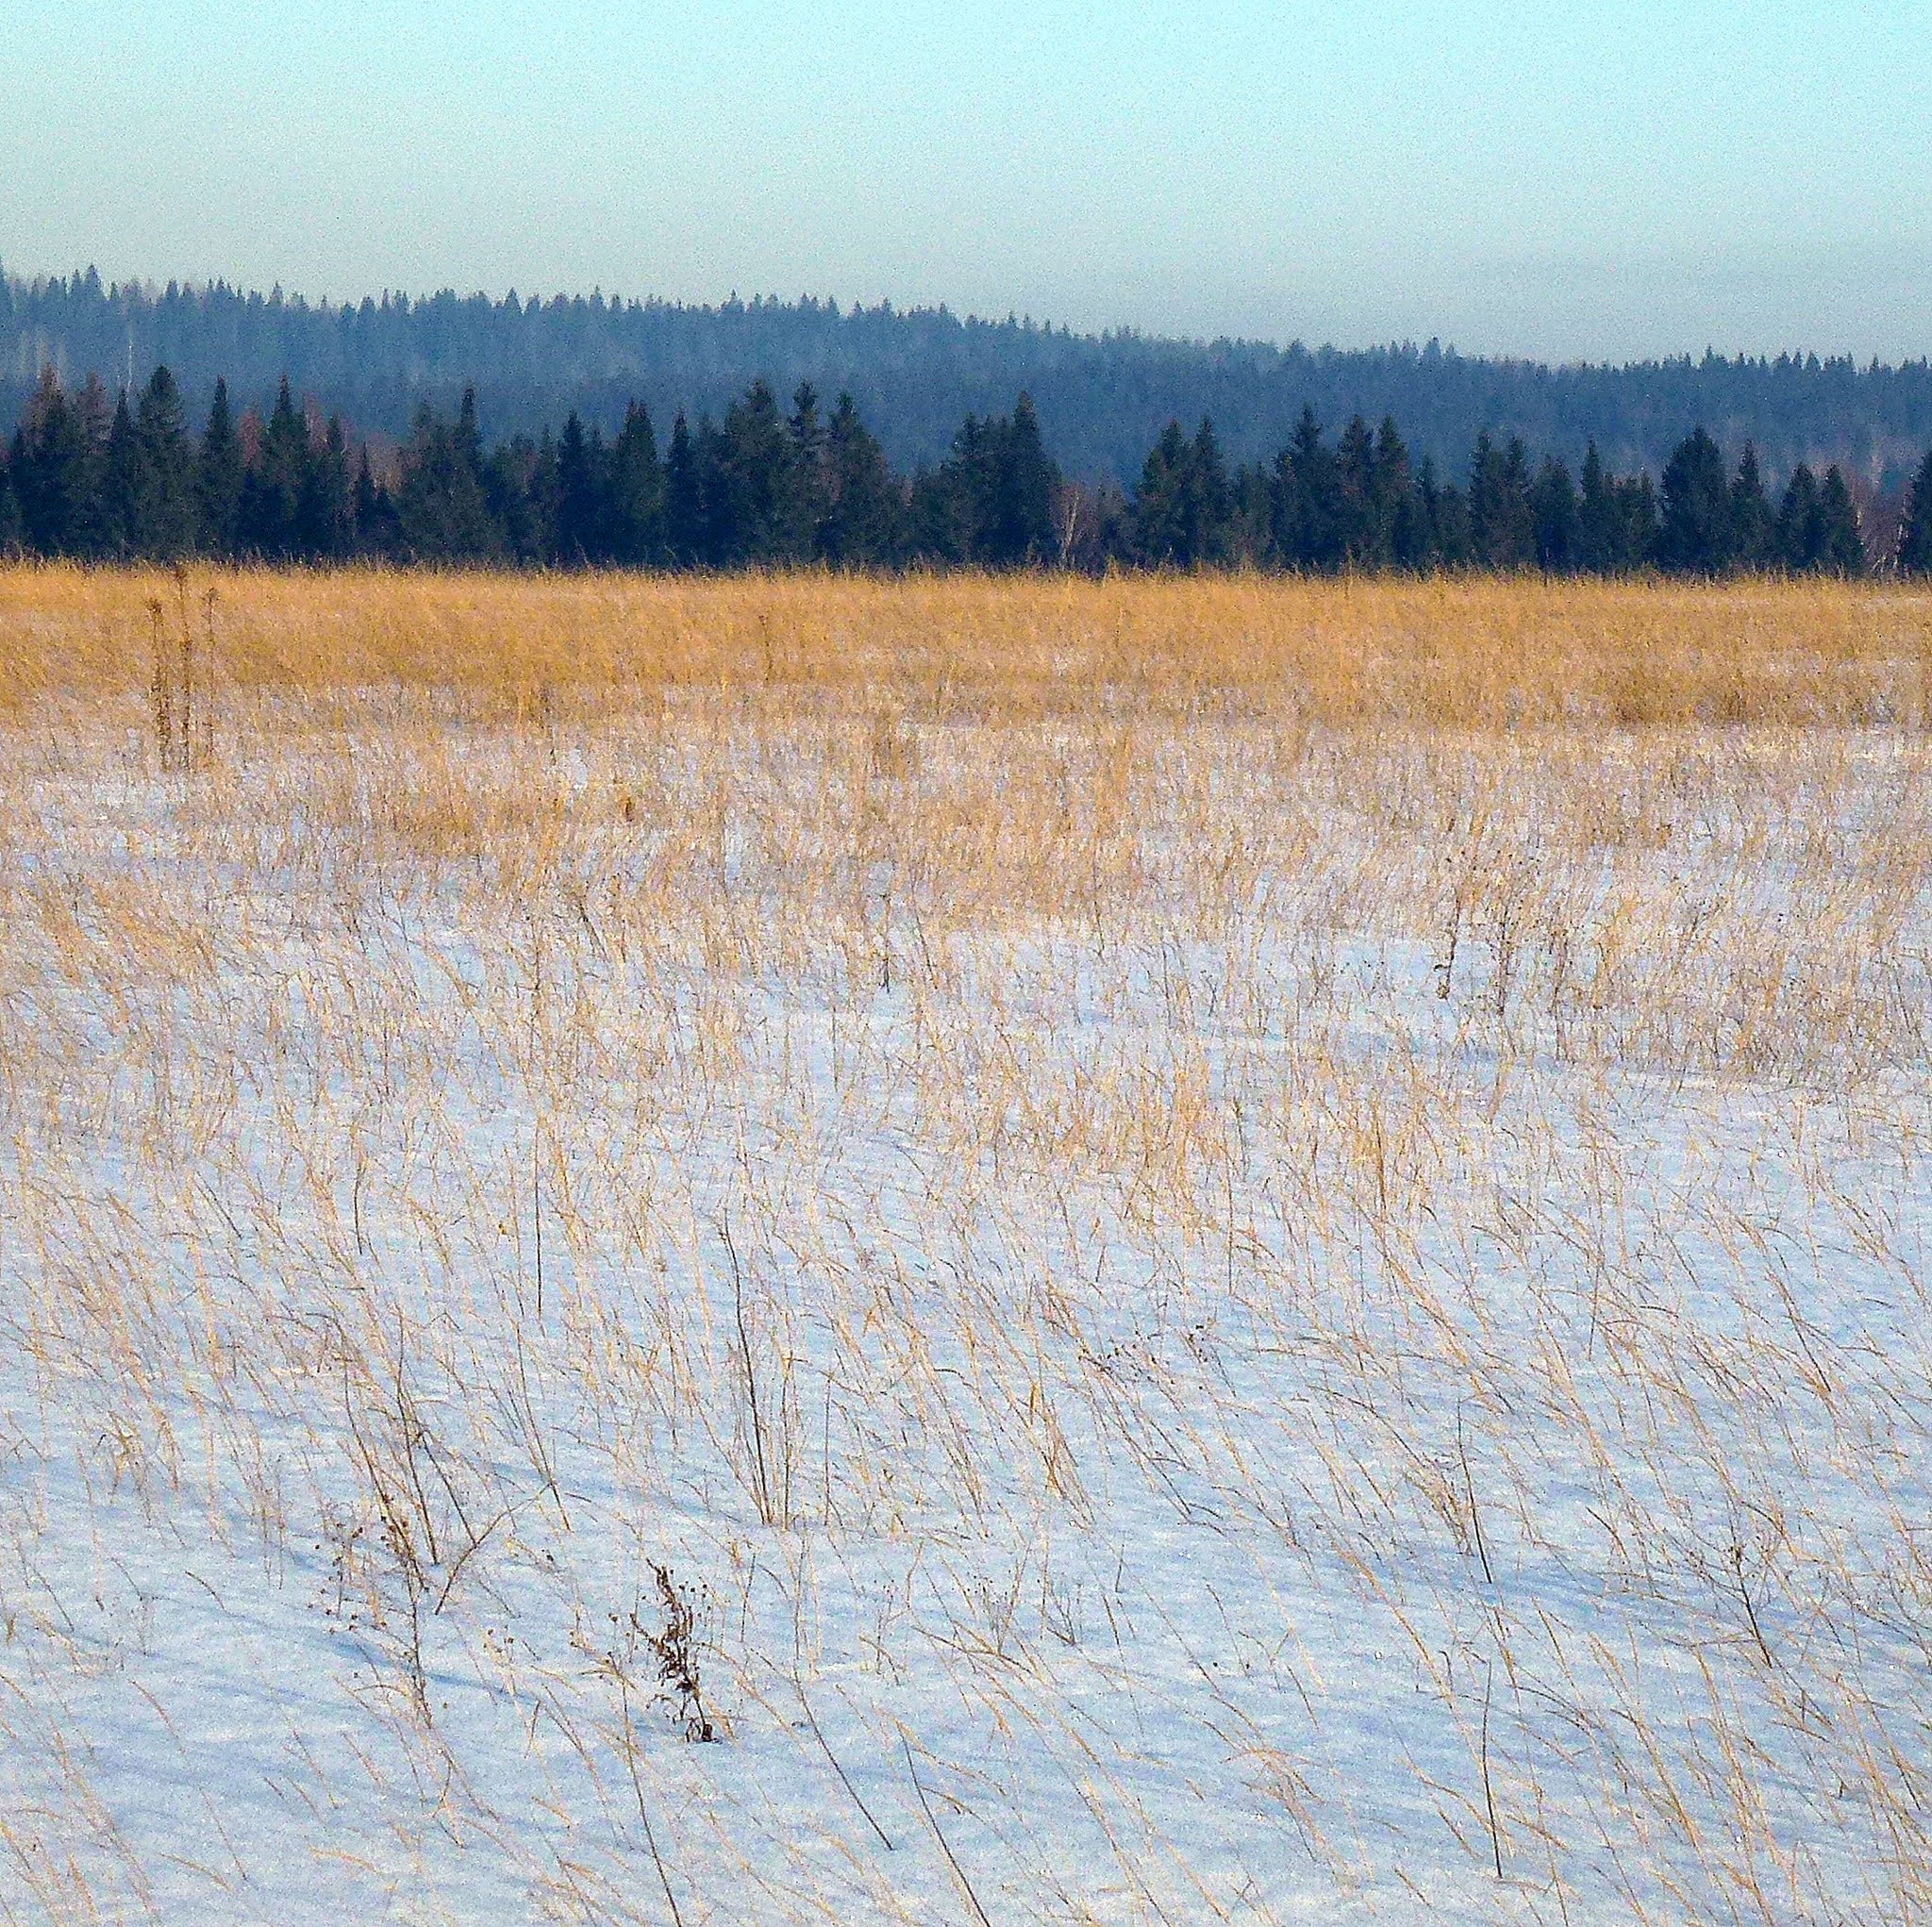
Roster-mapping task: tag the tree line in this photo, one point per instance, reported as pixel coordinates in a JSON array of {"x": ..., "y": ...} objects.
[
  {"x": 917, "y": 373},
  {"x": 771, "y": 486}
]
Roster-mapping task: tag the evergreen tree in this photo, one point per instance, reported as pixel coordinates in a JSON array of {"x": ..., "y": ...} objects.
[
  {"x": 1695, "y": 537},
  {"x": 1842, "y": 547},
  {"x": 636, "y": 534},
  {"x": 1502, "y": 531},
  {"x": 863, "y": 523},
  {"x": 1801, "y": 523},
  {"x": 1600, "y": 547},
  {"x": 1356, "y": 531},
  {"x": 218, "y": 479},
  {"x": 1018, "y": 527},
  {"x": 1914, "y": 555},
  {"x": 273, "y": 487},
  {"x": 12, "y": 529},
  {"x": 1753, "y": 528},
  {"x": 580, "y": 502},
  {"x": 166, "y": 527},
  {"x": 749, "y": 507},
  {"x": 122, "y": 487},
  {"x": 684, "y": 500},
  {"x": 324, "y": 513},
  {"x": 372, "y": 515},
  {"x": 1307, "y": 508},
  {"x": 1402, "y": 529},
  {"x": 1554, "y": 519},
  {"x": 808, "y": 495},
  {"x": 1158, "y": 518},
  {"x": 53, "y": 465},
  {"x": 442, "y": 512}
]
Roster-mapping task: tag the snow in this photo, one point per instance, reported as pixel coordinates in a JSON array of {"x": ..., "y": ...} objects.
[{"x": 1238, "y": 1433}]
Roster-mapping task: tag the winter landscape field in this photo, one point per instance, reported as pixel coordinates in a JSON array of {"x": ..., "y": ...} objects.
[{"x": 963, "y": 1251}]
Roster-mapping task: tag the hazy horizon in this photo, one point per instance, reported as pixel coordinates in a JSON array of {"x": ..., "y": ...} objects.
[{"x": 1753, "y": 179}]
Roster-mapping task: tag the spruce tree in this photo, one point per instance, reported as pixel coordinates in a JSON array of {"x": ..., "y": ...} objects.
[
  {"x": 1799, "y": 523},
  {"x": 167, "y": 526},
  {"x": 273, "y": 487},
  {"x": 684, "y": 500},
  {"x": 636, "y": 536},
  {"x": 1842, "y": 547},
  {"x": 808, "y": 492},
  {"x": 864, "y": 526},
  {"x": 1500, "y": 529},
  {"x": 325, "y": 514},
  {"x": 1209, "y": 499},
  {"x": 1157, "y": 516},
  {"x": 579, "y": 497},
  {"x": 12, "y": 530},
  {"x": 124, "y": 488},
  {"x": 1753, "y": 528},
  {"x": 218, "y": 479},
  {"x": 1553, "y": 510},
  {"x": 1914, "y": 555},
  {"x": 1358, "y": 535},
  {"x": 1599, "y": 520},
  {"x": 1695, "y": 537},
  {"x": 1401, "y": 532},
  {"x": 1308, "y": 518},
  {"x": 52, "y": 469},
  {"x": 1019, "y": 525}
]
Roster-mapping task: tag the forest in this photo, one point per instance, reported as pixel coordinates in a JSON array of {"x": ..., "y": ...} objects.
[
  {"x": 768, "y": 485},
  {"x": 916, "y": 375}
]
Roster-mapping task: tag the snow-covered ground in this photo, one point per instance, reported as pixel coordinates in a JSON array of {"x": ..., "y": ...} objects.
[{"x": 1209, "y": 1322}]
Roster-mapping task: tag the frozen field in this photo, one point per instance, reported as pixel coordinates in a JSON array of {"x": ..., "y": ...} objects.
[{"x": 821, "y": 1304}]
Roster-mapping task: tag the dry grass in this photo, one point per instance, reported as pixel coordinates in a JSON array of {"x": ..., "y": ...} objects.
[{"x": 1199, "y": 1250}]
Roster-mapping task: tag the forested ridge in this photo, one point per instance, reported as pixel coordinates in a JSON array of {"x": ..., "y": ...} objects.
[
  {"x": 915, "y": 376},
  {"x": 767, "y": 487}
]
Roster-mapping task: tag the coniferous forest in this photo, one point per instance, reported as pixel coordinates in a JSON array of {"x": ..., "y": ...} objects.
[{"x": 771, "y": 485}]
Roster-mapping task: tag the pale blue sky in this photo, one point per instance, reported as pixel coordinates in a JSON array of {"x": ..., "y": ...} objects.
[{"x": 1564, "y": 181}]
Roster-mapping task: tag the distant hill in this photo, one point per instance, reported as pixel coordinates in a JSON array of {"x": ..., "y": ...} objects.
[{"x": 1102, "y": 399}]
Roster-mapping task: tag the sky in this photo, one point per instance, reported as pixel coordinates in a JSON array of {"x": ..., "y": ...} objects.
[{"x": 1565, "y": 181}]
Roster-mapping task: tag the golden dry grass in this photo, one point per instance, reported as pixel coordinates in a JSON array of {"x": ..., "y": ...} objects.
[{"x": 1261, "y": 1248}]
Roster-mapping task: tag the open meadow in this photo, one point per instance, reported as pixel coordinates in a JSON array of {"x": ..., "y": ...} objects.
[{"x": 963, "y": 1251}]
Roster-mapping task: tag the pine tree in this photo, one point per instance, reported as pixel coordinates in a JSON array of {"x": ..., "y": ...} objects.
[
  {"x": 442, "y": 512},
  {"x": 1753, "y": 528},
  {"x": 166, "y": 527},
  {"x": 684, "y": 500},
  {"x": 1695, "y": 534},
  {"x": 636, "y": 536},
  {"x": 1914, "y": 556},
  {"x": 218, "y": 479},
  {"x": 748, "y": 510}
]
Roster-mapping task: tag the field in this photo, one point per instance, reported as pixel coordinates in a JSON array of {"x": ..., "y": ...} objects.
[{"x": 801, "y": 1250}]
